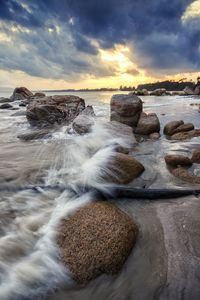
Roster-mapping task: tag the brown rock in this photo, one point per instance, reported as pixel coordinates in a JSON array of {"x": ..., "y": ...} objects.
[
  {"x": 148, "y": 124},
  {"x": 122, "y": 169},
  {"x": 183, "y": 128},
  {"x": 196, "y": 156},
  {"x": 96, "y": 240},
  {"x": 39, "y": 95},
  {"x": 171, "y": 126},
  {"x": 178, "y": 160},
  {"x": 54, "y": 109},
  {"x": 158, "y": 92},
  {"x": 83, "y": 124},
  {"x": 126, "y": 109},
  {"x": 21, "y": 93},
  {"x": 186, "y": 135},
  {"x": 184, "y": 175},
  {"x": 154, "y": 136}
]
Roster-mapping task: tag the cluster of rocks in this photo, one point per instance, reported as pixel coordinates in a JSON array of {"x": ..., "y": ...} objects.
[
  {"x": 178, "y": 165},
  {"x": 128, "y": 109},
  {"x": 178, "y": 130}
]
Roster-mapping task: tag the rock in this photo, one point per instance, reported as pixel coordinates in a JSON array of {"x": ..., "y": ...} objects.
[
  {"x": 121, "y": 169},
  {"x": 6, "y": 106},
  {"x": 178, "y": 93},
  {"x": 148, "y": 124},
  {"x": 88, "y": 111},
  {"x": 184, "y": 175},
  {"x": 23, "y": 103},
  {"x": 154, "y": 136},
  {"x": 39, "y": 95},
  {"x": 158, "y": 92},
  {"x": 34, "y": 135},
  {"x": 196, "y": 156},
  {"x": 21, "y": 93},
  {"x": 171, "y": 126},
  {"x": 186, "y": 135},
  {"x": 82, "y": 124},
  {"x": 119, "y": 130},
  {"x": 143, "y": 92},
  {"x": 126, "y": 109},
  {"x": 97, "y": 239},
  {"x": 178, "y": 160},
  {"x": 197, "y": 90},
  {"x": 54, "y": 109},
  {"x": 5, "y": 100},
  {"x": 184, "y": 128},
  {"x": 188, "y": 91}
]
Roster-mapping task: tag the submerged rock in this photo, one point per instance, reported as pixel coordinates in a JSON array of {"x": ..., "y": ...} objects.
[
  {"x": 184, "y": 175},
  {"x": 178, "y": 160},
  {"x": 54, "y": 109},
  {"x": 126, "y": 109},
  {"x": 186, "y": 135},
  {"x": 147, "y": 124},
  {"x": 6, "y": 106},
  {"x": 5, "y": 100},
  {"x": 154, "y": 136},
  {"x": 171, "y": 126},
  {"x": 83, "y": 124},
  {"x": 34, "y": 135},
  {"x": 21, "y": 93},
  {"x": 95, "y": 240},
  {"x": 122, "y": 169},
  {"x": 196, "y": 156}
]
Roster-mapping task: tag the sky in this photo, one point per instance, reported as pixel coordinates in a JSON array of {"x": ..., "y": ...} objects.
[{"x": 58, "y": 44}]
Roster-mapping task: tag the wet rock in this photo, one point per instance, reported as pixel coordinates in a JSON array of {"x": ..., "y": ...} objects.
[
  {"x": 178, "y": 160},
  {"x": 122, "y": 169},
  {"x": 95, "y": 240},
  {"x": 123, "y": 131},
  {"x": 126, "y": 109},
  {"x": 39, "y": 95},
  {"x": 148, "y": 124},
  {"x": 183, "y": 128},
  {"x": 21, "y": 93},
  {"x": 143, "y": 92},
  {"x": 23, "y": 103},
  {"x": 5, "y": 100},
  {"x": 6, "y": 106},
  {"x": 184, "y": 175},
  {"x": 188, "y": 91},
  {"x": 54, "y": 110},
  {"x": 186, "y": 135},
  {"x": 88, "y": 111},
  {"x": 82, "y": 124},
  {"x": 197, "y": 90},
  {"x": 158, "y": 92},
  {"x": 34, "y": 135},
  {"x": 171, "y": 126},
  {"x": 154, "y": 136},
  {"x": 196, "y": 156}
]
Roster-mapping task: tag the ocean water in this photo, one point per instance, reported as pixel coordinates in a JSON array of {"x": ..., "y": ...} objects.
[{"x": 29, "y": 258}]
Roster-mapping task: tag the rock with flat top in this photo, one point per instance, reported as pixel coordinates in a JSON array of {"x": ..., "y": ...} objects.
[
  {"x": 148, "y": 124},
  {"x": 21, "y": 93},
  {"x": 178, "y": 160}
]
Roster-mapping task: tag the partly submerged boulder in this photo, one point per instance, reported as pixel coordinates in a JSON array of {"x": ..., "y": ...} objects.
[
  {"x": 21, "y": 93},
  {"x": 158, "y": 92},
  {"x": 54, "y": 109},
  {"x": 5, "y": 100},
  {"x": 121, "y": 169},
  {"x": 83, "y": 124},
  {"x": 171, "y": 126},
  {"x": 6, "y": 106},
  {"x": 154, "y": 136},
  {"x": 186, "y": 135},
  {"x": 148, "y": 124},
  {"x": 188, "y": 91},
  {"x": 39, "y": 95},
  {"x": 95, "y": 240},
  {"x": 184, "y": 175},
  {"x": 196, "y": 156},
  {"x": 178, "y": 160},
  {"x": 126, "y": 109}
]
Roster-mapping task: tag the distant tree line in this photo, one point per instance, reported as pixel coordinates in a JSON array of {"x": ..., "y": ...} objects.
[
  {"x": 127, "y": 88},
  {"x": 169, "y": 85}
]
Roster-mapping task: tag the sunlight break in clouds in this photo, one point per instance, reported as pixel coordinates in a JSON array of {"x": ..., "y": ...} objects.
[{"x": 192, "y": 11}]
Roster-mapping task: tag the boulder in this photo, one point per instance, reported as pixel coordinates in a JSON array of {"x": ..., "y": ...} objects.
[
  {"x": 148, "y": 124},
  {"x": 121, "y": 169},
  {"x": 88, "y": 111},
  {"x": 196, "y": 156},
  {"x": 21, "y": 93},
  {"x": 197, "y": 90},
  {"x": 82, "y": 124},
  {"x": 178, "y": 93},
  {"x": 158, "y": 92},
  {"x": 171, "y": 126},
  {"x": 119, "y": 130},
  {"x": 184, "y": 128},
  {"x": 6, "y": 106},
  {"x": 184, "y": 175},
  {"x": 34, "y": 135},
  {"x": 39, "y": 95},
  {"x": 54, "y": 110},
  {"x": 178, "y": 160},
  {"x": 126, "y": 109},
  {"x": 188, "y": 91},
  {"x": 97, "y": 239},
  {"x": 143, "y": 92},
  {"x": 185, "y": 135}
]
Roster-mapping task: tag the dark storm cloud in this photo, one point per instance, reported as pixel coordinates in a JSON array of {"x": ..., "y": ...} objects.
[{"x": 161, "y": 42}]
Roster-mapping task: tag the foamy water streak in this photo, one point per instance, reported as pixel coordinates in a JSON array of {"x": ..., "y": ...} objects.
[{"x": 29, "y": 258}]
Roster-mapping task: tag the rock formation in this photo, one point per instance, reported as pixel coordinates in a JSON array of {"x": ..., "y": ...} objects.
[{"x": 148, "y": 124}]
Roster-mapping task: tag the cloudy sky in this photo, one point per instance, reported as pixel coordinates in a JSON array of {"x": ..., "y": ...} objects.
[{"x": 53, "y": 44}]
